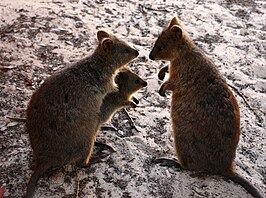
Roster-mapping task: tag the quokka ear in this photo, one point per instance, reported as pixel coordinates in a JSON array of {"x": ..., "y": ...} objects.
[
  {"x": 173, "y": 22},
  {"x": 177, "y": 30},
  {"x": 101, "y": 35},
  {"x": 106, "y": 43}
]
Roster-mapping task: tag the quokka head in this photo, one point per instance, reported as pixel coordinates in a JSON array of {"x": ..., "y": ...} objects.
[
  {"x": 167, "y": 44},
  {"x": 129, "y": 82},
  {"x": 116, "y": 51}
]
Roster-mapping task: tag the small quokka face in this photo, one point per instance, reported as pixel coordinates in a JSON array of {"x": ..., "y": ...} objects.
[
  {"x": 118, "y": 51},
  {"x": 166, "y": 46},
  {"x": 129, "y": 82}
]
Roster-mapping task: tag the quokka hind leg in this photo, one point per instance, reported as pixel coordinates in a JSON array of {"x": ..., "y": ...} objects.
[
  {"x": 94, "y": 159},
  {"x": 86, "y": 161},
  {"x": 88, "y": 154}
]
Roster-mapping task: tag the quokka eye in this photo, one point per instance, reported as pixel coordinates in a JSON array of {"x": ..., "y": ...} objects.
[
  {"x": 137, "y": 81},
  {"x": 126, "y": 51},
  {"x": 160, "y": 48}
]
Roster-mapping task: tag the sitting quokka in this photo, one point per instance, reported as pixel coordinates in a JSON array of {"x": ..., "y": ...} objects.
[
  {"x": 205, "y": 114},
  {"x": 128, "y": 82},
  {"x": 62, "y": 116}
]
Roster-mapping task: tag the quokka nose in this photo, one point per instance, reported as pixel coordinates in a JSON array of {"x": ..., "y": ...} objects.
[
  {"x": 137, "y": 53},
  {"x": 145, "y": 84},
  {"x": 151, "y": 56}
]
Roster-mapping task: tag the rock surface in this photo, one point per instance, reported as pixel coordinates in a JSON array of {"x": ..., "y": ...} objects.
[{"x": 37, "y": 38}]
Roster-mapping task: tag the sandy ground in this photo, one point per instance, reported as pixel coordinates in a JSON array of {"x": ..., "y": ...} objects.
[{"x": 37, "y": 38}]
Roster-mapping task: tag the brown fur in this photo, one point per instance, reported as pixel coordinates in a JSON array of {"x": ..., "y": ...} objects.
[
  {"x": 128, "y": 82},
  {"x": 62, "y": 116},
  {"x": 205, "y": 114}
]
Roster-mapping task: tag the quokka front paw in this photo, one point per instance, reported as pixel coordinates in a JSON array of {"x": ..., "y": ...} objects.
[
  {"x": 162, "y": 91},
  {"x": 133, "y": 105},
  {"x": 162, "y": 72}
]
